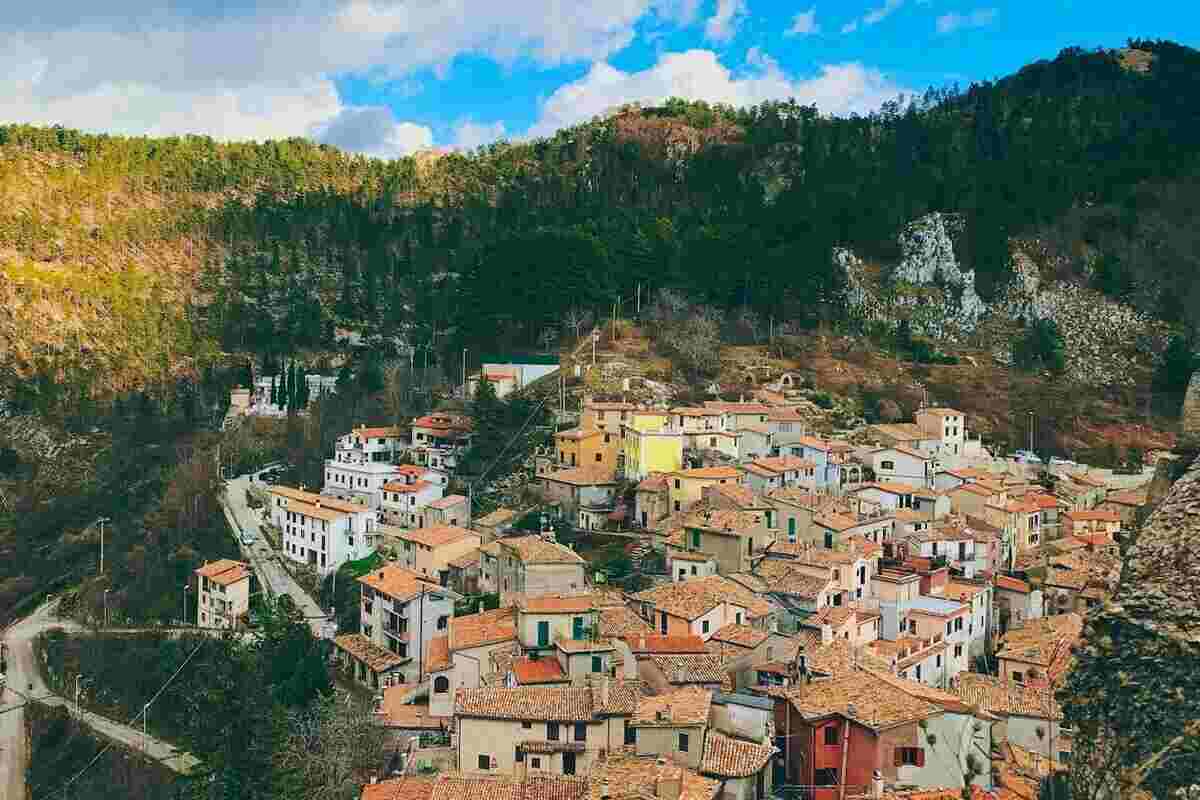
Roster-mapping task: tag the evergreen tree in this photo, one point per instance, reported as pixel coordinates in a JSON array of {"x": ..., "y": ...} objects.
[{"x": 491, "y": 428}]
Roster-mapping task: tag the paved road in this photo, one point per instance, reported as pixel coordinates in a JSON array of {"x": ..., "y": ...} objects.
[
  {"x": 23, "y": 672},
  {"x": 266, "y": 561}
]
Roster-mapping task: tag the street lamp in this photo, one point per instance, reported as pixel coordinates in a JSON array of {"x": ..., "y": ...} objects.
[
  {"x": 106, "y": 591},
  {"x": 145, "y": 713},
  {"x": 102, "y": 520},
  {"x": 184, "y": 620}
]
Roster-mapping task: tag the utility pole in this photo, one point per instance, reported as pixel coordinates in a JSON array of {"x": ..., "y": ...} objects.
[
  {"x": 106, "y": 591},
  {"x": 464, "y": 373},
  {"x": 102, "y": 520},
  {"x": 184, "y": 619},
  {"x": 145, "y": 713},
  {"x": 1030, "y": 431}
]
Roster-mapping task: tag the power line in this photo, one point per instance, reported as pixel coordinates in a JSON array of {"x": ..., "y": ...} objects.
[{"x": 106, "y": 748}]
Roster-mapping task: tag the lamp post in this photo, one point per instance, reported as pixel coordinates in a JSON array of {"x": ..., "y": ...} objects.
[
  {"x": 102, "y": 520},
  {"x": 106, "y": 591},
  {"x": 184, "y": 619},
  {"x": 145, "y": 713}
]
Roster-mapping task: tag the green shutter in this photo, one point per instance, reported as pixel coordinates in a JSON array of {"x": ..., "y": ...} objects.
[
  {"x": 577, "y": 628},
  {"x": 543, "y": 634}
]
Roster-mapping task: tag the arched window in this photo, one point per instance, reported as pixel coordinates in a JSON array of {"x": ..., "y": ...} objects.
[
  {"x": 441, "y": 623},
  {"x": 441, "y": 684}
]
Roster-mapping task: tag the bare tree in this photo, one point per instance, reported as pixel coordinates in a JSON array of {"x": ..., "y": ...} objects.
[
  {"x": 334, "y": 745},
  {"x": 575, "y": 320}
]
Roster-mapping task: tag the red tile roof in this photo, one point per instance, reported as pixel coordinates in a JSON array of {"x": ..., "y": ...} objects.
[
  {"x": 663, "y": 645},
  {"x": 225, "y": 571},
  {"x": 397, "y": 582},
  {"x": 407, "y": 788},
  {"x": 542, "y": 670},
  {"x": 727, "y": 757}
]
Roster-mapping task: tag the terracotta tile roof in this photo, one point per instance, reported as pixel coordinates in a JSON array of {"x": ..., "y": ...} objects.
[
  {"x": 804, "y": 553},
  {"x": 1046, "y": 642},
  {"x": 460, "y": 786},
  {"x": 743, "y": 496},
  {"x": 963, "y": 592},
  {"x": 722, "y": 520},
  {"x": 657, "y": 482},
  {"x": 444, "y": 421},
  {"x": 738, "y": 408},
  {"x": 733, "y": 758},
  {"x": 696, "y": 597},
  {"x": 1011, "y": 584},
  {"x": 1074, "y": 579},
  {"x": 466, "y": 560},
  {"x": 487, "y": 627},
  {"x": 578, "y": 433},
  {"x": 742, "y": 635},
  {"x": 435, "y": 535},
  {"x": 225, "y": 571},
  {"x": 396, "y": 713},
  {"x": 751, "y": 583},
  {"x": 542, "y": 670},
  {"x": 939, "y": 697},
  {"x": 725, "y": 651},
  {"x": 609, "y": 405},
  {"x": 836, "y": 616},
  {"x": 709, "y": 473},
  {"x": 876, "y": 704},
  {"x": 692, "y": 668},
  {"x": 1127, "y": 497},
  {"x": 977, "y": 489},
  {"x": 583, "y": 645},
  {"x": 316, "y": 511},
  {"x": 498, "y": 517},
  {"x": 836, "y": 521},
  {"x": 781, "y": 464},
  {"x": 837, "y": 658},
  {"x": 399, "y": 487},
  {"x": 1093, "y": 516},
  {"x": 407, "y": 788},
  {"x": 998, "y": 696},
  {"x": 557, "y": 604},
  {"x": 528, "y": 703},
  {"x": 687, "y": 555},
  {"x": 625, "y": 776},
  {"x": 587, "y": 475},
  {"x": 449, "y": 501},
  {"x": 397, "y": 582},
  {"x": 314, "y": 500},
  {"x": 686, "y": 706},
  {"x": 941, "y": 411},
  {"x": 438, "y": 654},
  {"x": 536, "y": 550},
  {"x": 690, "y": 411},
  {"x": 782, "y": 576},
  {"x": 623, "y": 697},
  {"x": 665, "y": 645},
  {"x": 363, "y": 649},
  {"x": 621, "y": 621}
]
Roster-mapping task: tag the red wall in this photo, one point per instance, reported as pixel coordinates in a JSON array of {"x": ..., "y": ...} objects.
[{"x": 808, "y": 753}]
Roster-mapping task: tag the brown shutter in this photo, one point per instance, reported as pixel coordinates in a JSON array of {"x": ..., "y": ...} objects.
[
  {"x": 920, "y": 756},
  {"x": 898, "y": 759}
]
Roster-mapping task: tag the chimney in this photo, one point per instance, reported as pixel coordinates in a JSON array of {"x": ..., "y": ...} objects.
[
  {"x": 374, "y": 779},
  {"x": 877, "y": 785}
]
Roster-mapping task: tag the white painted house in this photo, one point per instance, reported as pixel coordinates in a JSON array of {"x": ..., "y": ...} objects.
[{"x": 322, "y": 531}]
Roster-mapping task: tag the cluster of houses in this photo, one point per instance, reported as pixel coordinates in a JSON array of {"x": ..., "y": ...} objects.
[{"x": 862, "y": 620}]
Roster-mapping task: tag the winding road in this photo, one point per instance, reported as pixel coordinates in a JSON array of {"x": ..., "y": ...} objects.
[{"x": 25, "y": 682}]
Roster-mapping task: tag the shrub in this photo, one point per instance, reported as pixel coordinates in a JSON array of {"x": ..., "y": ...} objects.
[
  {"x": 823, "y": 400},
  {"x": 1040, "y": 347}
]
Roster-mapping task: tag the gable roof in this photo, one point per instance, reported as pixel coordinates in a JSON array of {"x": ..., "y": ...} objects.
[
  {"x": 687, "y": 706},
  {"x": 225, "y": 571},
  {"x": 625, "y": 776},
  {"x": 536, "y": 550},
  {"x": 863, "y": 697},
  {"x": 460, "y": 786},
  {"x": 486, "y": 627},
  {"x": 694, "y": 598},
  {"x": 727, "y": 757},
  {"x": 742, "y": 635},
  {"x": 398, "y": 583},
  {"x": 620, "y": 621},
  {"x": 708, "y": 473},
  {"x": 663, "y": 644},
  {"x": 542, "y": 670},
  {"x": 690, "y": 668},
  {"x": 316, "y": 501},
  {"x": 587, "y": 475},
  {"x": 998, "y": 696},
  {"x": 434, "y": 535},
  {"x": 406, "y": 788}
]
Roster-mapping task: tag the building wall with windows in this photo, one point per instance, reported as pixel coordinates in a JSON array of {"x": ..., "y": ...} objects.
[
  {"x": 405, "y": 625},
  {"x": 492, "y": 745}
]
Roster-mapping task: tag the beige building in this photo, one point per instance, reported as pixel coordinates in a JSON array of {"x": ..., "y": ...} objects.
[
  {"x": 543, "y": 620},
  {"x": 673, "y": 724},
  {"x": 453, "y": 509},
  {"x": 462, "y": 658},
  {"x": 529, "y": 731},
  {"x": 224, "y": 593},
  {"x": 429, "y": 551},
  {"x": 702, "y": 606},
  {"x": 1090, "y": 524},
  {"x": 687, "y": 486},
  {"x": 730, "y": 537},
  {"x": 530, "y": 565}
]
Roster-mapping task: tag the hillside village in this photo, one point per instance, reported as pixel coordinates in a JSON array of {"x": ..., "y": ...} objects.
[{"x": 869, "y": 615}]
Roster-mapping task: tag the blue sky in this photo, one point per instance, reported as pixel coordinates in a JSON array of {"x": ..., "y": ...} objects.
[{"x": 386, "y": 77}]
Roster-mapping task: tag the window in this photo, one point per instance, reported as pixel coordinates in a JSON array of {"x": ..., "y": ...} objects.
[
  {"x": 696, "y": 539},
  {"x": 826, "y": 776},
  {"x": 939, "y": 659},
  {"x": 597, "y": 664},
  {"x": 949, "y": 627},
  {"x": 543, "y": 634},
  {"x": 704, "y": 626},
  {"x": 695, "y": 570},
  {"x": 568, "y": 763},
  {"x": 518, "y": 754},
  {"x": 676, "y": 505},
  {"x": 737, "y": 618},
  {"x": 441, "y": 623},
  {"x": 527, "y": 725},
  {"x": 663, "y": 622},
  {"x": 831, "y": 735},
  {"x": 1018, "y": 677},
  {"x": 958, "y": 624},
  {"x": 630, "y": 733},
  {"x": 485, "y": 762},
  {"x": 535, "y": 763},
  {"x": 552, "y": 731},
  {"x": 581, "y": 731},
  {"x": 958, "y": 651},
  {"x": 577, "y": 628},
  {"x": 918, "y": 672},
  {"x": 887, "y": 465},
  {"x": 683, "y": 742},
  {"x": 677, "y": 486},
  {"x": 910, "y": 757},
  {"x": 599, "y": 457}
]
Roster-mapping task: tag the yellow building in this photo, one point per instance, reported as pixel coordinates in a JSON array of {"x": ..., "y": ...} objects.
[
  {"x": 581, "y": 447},
  {"x": 648, "y": 445},
  {"x": 688, "y": 485}
]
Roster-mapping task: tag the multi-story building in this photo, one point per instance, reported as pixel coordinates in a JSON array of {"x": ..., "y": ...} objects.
[
  {"x": 730, "y": 536},
  {"x": 765, "y": 474},
  {"x": 530, "y": 565},
  {"x": 832, "y": 466},
  {"x": 904, "y": 465},
  {"x": 1090, "y": 524},
  {"x": 401, "y": 612},
  {"x": 223, "y": 593},
  {"x": 322, "y": 532},
  {"x": 688, "y": 485},
  {"x": 701, "y": 606},
  {"x": 947, "y": 426},
  {"x": 583, "y": 494},
  {"x": 405, "y": 498},
  {"x": 363, "y": 461},
  {"x": 647, "y": 449},
  {"x": 541, "y": 730},
  {"x": 438, "y": 438},
  {"x": 580, "y": 447},
  {"x": 429, "y": 551}
]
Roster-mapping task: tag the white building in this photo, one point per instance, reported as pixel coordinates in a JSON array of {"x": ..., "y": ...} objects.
[
  {"x": 363, "y": 461},
  {"x": 321, "y": 531},
  {"x": 261, "y": 400},
  {"x": 405, "y": 499},
  {"x": 904, "y": 465},
  {"x": 223, "y": 594}
]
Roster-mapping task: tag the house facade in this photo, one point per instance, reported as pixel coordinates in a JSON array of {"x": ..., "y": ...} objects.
[
  {"x": 322, "y": 532},
  {"x": 223, "y": 594},
  {"x": 401, "y": 611}
]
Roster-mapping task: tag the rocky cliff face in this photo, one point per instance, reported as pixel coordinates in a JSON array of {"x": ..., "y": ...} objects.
[
  {"x": 1190, "y": 416},
  {"x": 932, "y": 289}
]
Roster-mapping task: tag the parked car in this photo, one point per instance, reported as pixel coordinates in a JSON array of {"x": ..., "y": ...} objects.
[{"x": 249, "y": 538}]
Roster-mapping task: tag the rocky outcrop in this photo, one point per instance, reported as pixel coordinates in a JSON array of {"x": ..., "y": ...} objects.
[{"x": 1190, "y": 416}]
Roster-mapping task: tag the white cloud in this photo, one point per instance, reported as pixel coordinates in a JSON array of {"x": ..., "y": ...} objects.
[
  {"x": 373, "y": 130},
  {"x": 948, "y": 23},
  {"x": 724, "y": 23},
  {"x": 267, "y": 69},
  {"x": 883, "y": 12},
  {"x": 699, "y": 75},
  {"x": 850, "y": 27},
  {"x": 470, "y": 135},
  {"x": 804, "y": 23}
]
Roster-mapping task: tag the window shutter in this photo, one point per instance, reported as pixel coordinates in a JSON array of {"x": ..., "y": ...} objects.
[
  {"x": 920, "y": 756},
  {"x": 899, "y": 759}
]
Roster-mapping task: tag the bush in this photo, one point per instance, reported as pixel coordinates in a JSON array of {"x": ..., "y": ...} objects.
[
  {"x": 1040, "y": 347},
  {"x": 823, "y": 400}
]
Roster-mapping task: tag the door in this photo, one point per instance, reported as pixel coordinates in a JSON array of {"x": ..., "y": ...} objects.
[
  {"x": 663, "y": 622},
  {"x": 577, "y": 628},
  {"x": 568, "y": 763},
  {"x": 543, "y": 636},
  {"x": 792, "y": 529}
]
